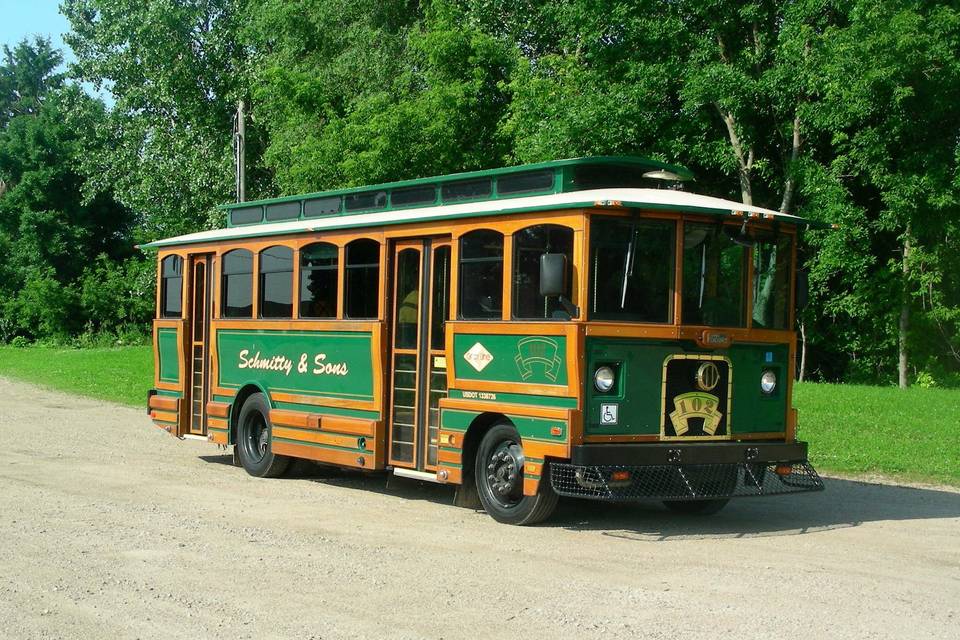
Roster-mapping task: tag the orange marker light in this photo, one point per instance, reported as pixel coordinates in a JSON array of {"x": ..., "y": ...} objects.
[
  {"x": 620, "y": 476},
  {"x": 556, "y": 431},
  {"x": 784, "y": 469}
]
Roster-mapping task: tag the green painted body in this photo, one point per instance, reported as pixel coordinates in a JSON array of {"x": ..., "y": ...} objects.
[
  {"x": 327, "y": 364},
  {"x": 519, "y": 398},
  {"x": 516, "y": 359},
  {"x": 530, "y": 429},
  {"x": 638, "y": 393},
  {"x": 168, "y": 355}
]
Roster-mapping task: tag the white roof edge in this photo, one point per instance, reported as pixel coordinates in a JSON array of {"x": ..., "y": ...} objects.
[{"x": 624, "y": 197}]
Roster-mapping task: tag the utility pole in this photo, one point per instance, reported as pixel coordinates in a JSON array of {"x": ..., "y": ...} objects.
[{"x": 239, "y": 142}]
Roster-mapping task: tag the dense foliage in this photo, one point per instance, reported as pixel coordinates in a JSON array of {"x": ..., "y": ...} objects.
[{"x": 844, "y": 111}]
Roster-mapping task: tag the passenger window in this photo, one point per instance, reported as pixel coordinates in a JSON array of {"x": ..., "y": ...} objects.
[
  {"x": 481, "y": 275},
  {"x": 318, "y": 280},
  {"x": 528, "y": 245},
  {"x": 362, "y": 279},
  {"x": 236, "y": 284},
  {"x": 171, "y": 287},
  {"x": 276, "y": 282}
]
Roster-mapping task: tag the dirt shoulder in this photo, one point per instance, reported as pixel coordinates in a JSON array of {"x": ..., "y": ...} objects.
[{"x": 112, "y": 528}]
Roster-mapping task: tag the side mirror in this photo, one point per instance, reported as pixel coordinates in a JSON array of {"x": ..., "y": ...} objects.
[
  {"x": 553, "y": 275},
  {"x": 803, "y": 290}
]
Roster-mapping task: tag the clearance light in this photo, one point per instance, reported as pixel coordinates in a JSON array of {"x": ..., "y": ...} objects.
[
  {"x": 784, "y": 469},
  {"x": 768, "y": 382},
  {"x": 620, "y": 476},
  {"x": 603, "y": 379}
]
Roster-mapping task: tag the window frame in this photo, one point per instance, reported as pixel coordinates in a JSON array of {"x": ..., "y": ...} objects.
[
  {"x": 746, "y": 275},
  {"x": 337, "y": 270},
  {"x": 676, "y": 253},
  {"x": 261, "y": 289},
  {"x": 346, "y": 266},
  {"x": 505, "y": 240},
  {"x": 162, "y": 297},
  {"x": 223, "y": 289},
  {"x": 514, "y": 263}
]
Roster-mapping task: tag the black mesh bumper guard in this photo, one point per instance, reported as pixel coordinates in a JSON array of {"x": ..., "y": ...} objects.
[{"x": 682, "y": 481}]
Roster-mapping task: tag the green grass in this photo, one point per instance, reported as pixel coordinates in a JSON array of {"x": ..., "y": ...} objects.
[
  {"x": 118, "y": 374},
  {"x": 912, "y": 434}
]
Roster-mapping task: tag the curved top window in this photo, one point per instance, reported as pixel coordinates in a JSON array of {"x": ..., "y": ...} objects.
[
  {"x": 276, "y": 282},
  {"x": 528, "y": 246},
  {"x": 236, "y": 284},
  {"x": 362, "y": 279},
  {"x": 481, "y": 275},
  {"x": 171, "y": 287},
  {"x": 318, "y": 280},
  {"x": 631, "y": 269}
]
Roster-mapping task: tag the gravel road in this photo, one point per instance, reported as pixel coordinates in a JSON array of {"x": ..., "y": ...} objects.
[{"x": 110, "y": 528}]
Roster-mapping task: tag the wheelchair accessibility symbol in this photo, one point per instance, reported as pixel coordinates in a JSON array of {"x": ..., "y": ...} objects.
[{"x": 608, "y": 413}]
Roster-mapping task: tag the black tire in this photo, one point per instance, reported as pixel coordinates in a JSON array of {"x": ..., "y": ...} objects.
[
  {"x": 498, "y": 471},
  {"x": 254, "y": 436},
  {"x": 696, "y": 507}
]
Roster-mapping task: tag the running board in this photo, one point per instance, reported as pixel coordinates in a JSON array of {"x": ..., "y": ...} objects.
[
  {"x": 414, "y": 474},
  {"x": 194, "y": 436}
]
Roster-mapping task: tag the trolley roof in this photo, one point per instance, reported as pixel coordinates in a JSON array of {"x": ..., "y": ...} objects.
[{"x": 562, "y": 184}]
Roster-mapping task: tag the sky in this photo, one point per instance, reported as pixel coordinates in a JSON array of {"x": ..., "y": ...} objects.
[{"x": 21, "y": 19}]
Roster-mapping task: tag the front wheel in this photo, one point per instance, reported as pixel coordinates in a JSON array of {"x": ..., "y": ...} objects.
[
  {"x": 499, "y": 476},
  {"x": 253, "y": 440}
]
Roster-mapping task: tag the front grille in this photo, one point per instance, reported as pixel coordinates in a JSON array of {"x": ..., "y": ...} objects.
[
  {"x": 682, "y": 482},
  {"x": 696, "y": 406}
]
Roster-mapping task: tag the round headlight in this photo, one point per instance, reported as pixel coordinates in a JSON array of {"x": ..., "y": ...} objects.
[
  {"x": 603, "y": 379},
  {"x": 768, "y": 381}
]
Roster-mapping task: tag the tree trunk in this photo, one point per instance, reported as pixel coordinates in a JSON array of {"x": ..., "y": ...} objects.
[
  {"x": 904, "y": 325},
  {"x": 803, "y": 352},
  {"x": 744, "y": 156}
]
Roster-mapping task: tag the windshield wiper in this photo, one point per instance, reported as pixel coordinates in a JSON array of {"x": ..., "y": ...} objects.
[{"x": 628, "y": 265}]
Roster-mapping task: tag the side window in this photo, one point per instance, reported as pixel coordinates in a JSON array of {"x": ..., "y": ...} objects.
[
  {"x": 528, "y": 245},
  {"x": 481, "y": 275},
  {"x": 318, "y": 281},
  {"x": 362, "y": 279},
  {"x": 236, "y": 284},
  {"x": 441, "y": 297},
  {"x": 171, "y": 287},
  {"x": 276, "y": 282}
]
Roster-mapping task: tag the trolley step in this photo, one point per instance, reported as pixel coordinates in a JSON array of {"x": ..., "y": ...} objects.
[{"x": 414, "y": 474}]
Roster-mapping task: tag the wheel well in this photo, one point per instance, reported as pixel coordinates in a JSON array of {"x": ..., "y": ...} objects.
[
  {"x": 475, "y": 432},
  {"x": 238, "y": 401}
]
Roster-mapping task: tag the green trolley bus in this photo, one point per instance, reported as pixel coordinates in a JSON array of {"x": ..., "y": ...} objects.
[{"x": 579, "y": 328}]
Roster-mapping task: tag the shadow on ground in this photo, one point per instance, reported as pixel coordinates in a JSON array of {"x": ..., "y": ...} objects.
[{"x": 844, "y": 503}]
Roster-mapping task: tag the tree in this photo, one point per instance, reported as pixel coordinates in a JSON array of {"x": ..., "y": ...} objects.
[
  {"x": 48, "y": 228},
  {"x": 28, "y": 74},
  {"x": 356, "y": 91},
  {"x": 176, "y": 71}
]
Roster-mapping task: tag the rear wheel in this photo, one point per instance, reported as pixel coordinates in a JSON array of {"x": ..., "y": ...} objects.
[
  {"x": 499, "y": 478},
  {"x": 253, "y": 440}
]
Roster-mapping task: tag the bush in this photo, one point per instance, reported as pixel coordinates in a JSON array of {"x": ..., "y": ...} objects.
[{"x": 117, "y": 296}]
